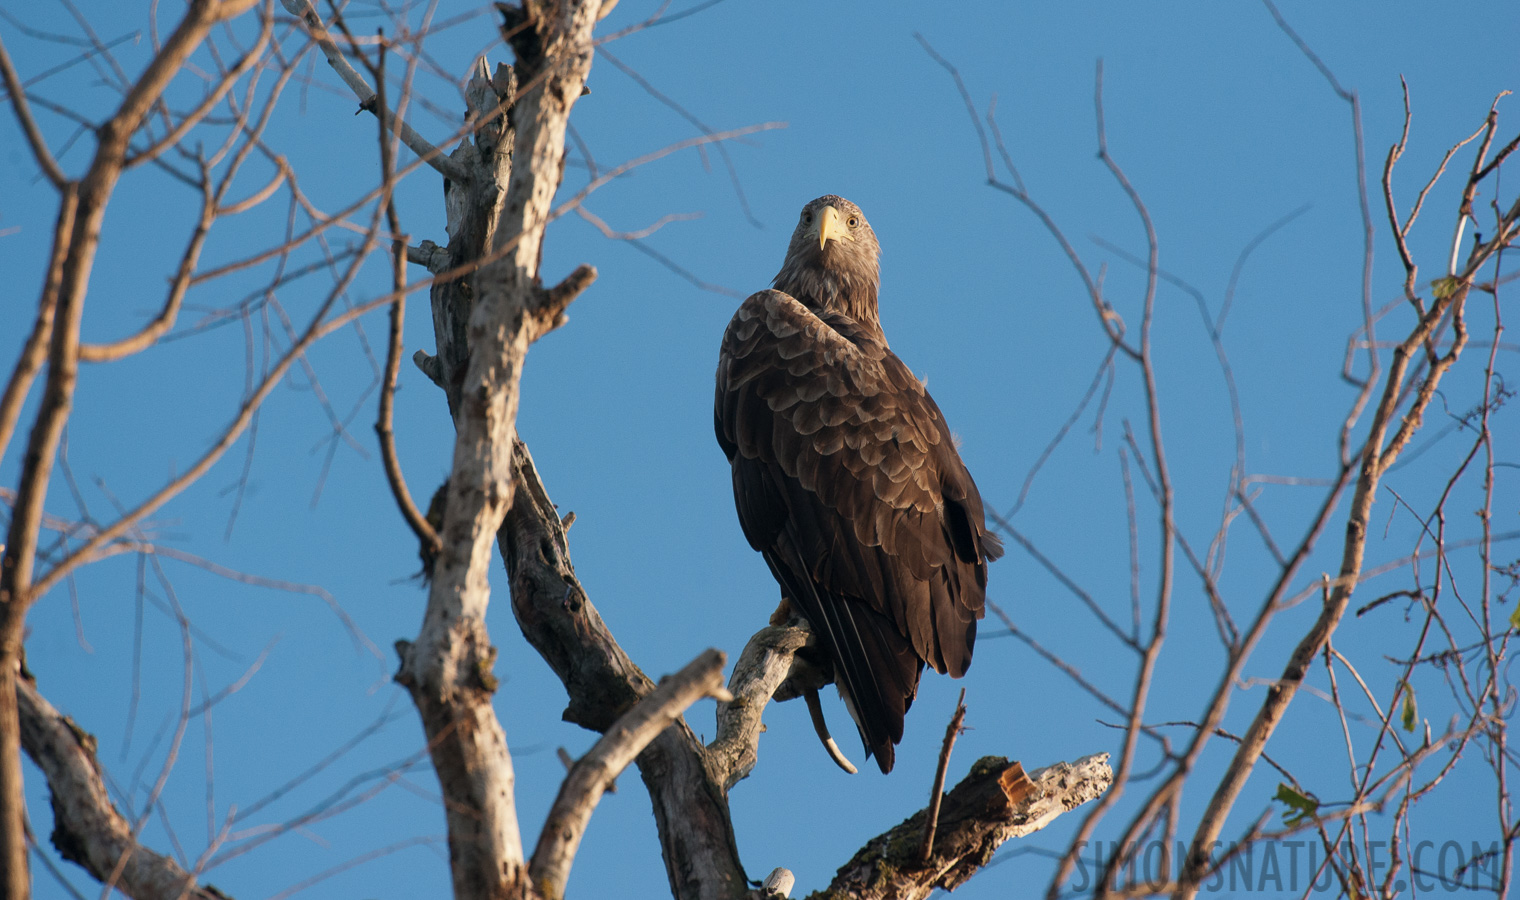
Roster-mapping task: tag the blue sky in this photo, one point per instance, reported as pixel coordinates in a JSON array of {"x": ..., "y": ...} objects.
[{"x": 1217, "y": 119}]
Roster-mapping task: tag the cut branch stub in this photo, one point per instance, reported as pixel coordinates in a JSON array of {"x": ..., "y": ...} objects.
[{"x": 996, "y": 802}]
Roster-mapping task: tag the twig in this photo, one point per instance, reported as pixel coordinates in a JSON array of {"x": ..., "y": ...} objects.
[
  {"x": 1112, "y": 325},
  {"x": 384, "y": 429},
  {"x": 187, "y": 121},
  {"x": 931, "y": 821},
  {"x": 164, "y": 321},
  {"x": 1388, "y": 435},
  {"x": 728, "y": 163},
  {"x": 39, "y": 146}
]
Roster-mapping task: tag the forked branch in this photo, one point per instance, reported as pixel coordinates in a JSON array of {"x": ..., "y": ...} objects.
[{"x": 592, "y": 773}]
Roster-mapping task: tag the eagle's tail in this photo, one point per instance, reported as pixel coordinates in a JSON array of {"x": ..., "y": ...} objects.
[
  {"x": 876, "y": 671},
  {"x": 875, "y": 667}
]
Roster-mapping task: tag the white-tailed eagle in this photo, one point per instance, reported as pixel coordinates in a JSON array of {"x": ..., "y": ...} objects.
[{"x": 846, "y": 476}]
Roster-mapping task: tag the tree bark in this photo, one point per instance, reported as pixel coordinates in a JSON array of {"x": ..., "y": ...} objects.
[
  {"x": 87, "y": 828},
  {"x": 558, "y": 619},
  {"x": 448, "y": 668},
  {"x": 994, "y": 803}
]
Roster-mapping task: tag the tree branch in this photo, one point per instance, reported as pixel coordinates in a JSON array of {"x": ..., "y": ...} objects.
[
  {"x": 87, "y": 828},
  {"x": 419, "y": 145},
  {"x": 765, "y": 663},
  {"x": 591, "y": 775},
  {"x": 448, "y": 668},
  {"x": 40, "y": 150},
  {"x": 29, "y": 363},
  {"x": 558, "y": 619},
  {"x": 994, "y": 803},
  {"x": 384, "y": 422},
  {"x": 1379, "y": 452},
  {"x": 17, "y": 590}
]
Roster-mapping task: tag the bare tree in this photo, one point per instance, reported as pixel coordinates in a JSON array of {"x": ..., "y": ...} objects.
[
  {"x": 197, "y": 115},
  {"x": 196, "y": 123}
]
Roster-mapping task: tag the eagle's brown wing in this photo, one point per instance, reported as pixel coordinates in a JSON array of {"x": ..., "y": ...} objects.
[{"x": 847, "y": 480}]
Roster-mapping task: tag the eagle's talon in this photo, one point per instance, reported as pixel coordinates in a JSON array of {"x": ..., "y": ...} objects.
[{"x": 815, "y": 709}]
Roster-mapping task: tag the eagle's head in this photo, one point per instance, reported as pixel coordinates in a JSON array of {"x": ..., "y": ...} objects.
[{"x": 832, "y": 261}]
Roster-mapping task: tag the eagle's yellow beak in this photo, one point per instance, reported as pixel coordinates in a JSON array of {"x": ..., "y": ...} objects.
[{"x": 830, "y": 224}]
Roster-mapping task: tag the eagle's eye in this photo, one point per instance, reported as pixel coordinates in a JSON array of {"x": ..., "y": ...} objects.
[
  {"x": 807, "y": 218},
  {"x": 854, "y": 221}
]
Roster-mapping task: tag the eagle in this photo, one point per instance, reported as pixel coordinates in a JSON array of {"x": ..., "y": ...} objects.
[{"x": 846, "y": 476}]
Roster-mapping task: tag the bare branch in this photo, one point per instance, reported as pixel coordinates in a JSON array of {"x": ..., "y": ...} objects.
[
  {"x": 766, "y": 662},
  {"x": 88, "y": 829},
  {"x": 483, "y": 341},
  {"x": 559, "y": 620},
  {"x": 1379, "y": 452},
  {"x": 384, "y": 423},
  {"x": 17, "y": 590},
  {"x": 931, "y": 820},
  {"x": 179, "y": 285},
  {"x": 35, "y": 348},
  {"x": 34, "y": 138},
  {"x": 189, "y": 120},
  {"x": 627, "y": 738},
  {"x": 419, "y": 145},
  {"x": 993, "y": 804},
  {"x": 1112, "y": 325}
]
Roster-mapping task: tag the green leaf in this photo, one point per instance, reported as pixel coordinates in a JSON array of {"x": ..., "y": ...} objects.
[
  {"x": 1514, "y": 618},
  {"x": 1444, "y": 286},
  {"x": 1410, "y": 715},
  {"x": 1300, "y": 809}
]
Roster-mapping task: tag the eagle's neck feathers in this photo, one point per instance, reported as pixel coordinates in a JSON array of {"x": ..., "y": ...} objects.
[{"x": 833, "y": 289}]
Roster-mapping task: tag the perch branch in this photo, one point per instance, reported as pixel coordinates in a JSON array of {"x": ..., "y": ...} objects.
[{"x": 765, "y": 663}]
